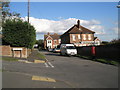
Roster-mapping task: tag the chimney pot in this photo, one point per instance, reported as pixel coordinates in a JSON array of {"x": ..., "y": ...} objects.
[
  {"x": 78, "y": 23},
  {"x": 48, "y": 33}
]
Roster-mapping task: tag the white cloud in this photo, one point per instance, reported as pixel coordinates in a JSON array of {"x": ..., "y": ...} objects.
[
  {"x": 45, "y": 25},
  {"x": 115, "y": 29}
]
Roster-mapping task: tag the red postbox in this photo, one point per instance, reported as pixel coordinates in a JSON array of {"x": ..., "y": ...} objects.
[{"x": 93, "y": 50}]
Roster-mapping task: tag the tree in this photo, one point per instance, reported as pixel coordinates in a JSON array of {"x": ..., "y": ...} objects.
[
  {"x": 40, "y": 44},
  {"x": 6, "y": 11},
  {"x": 105, "y": 42},
  {"x": 16, "y": 33},
  {"x": 115, "y": 42}
]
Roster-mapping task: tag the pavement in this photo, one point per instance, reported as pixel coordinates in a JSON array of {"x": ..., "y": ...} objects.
[
  {"x": 59, "y": 72},
  {"x": 33, "y": 56}
]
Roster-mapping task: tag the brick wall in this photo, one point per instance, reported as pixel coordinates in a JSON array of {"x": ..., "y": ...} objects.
[
  {"x": 76, "y": 38},
  {"x": 5, "y": 51},
  {"x": 8, "y": 51}
]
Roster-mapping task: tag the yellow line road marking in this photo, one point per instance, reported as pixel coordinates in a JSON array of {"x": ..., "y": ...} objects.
[
  {"x": 24, "y": 61},
  {"x": 39, "y": 61},
  {"x": 38, "y": 78}
]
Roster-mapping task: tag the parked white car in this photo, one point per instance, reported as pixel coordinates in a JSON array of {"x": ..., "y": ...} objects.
[{"x": 68, "y": 49}]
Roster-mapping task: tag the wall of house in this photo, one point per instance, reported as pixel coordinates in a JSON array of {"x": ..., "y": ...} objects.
[
  {"x": 77, "y": 40},
  {"x": 87, "y": 37},
  {"x": 45, "y": 44},
  {"x": 65, "y": 39},
  {"x": 55, "y": 43},
  {"x": 109, "y": 52}
]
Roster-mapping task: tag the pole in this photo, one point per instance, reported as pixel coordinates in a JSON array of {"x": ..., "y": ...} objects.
[
  {"x": 28, "y": 9},
  {"x": 118, "y": 6}
]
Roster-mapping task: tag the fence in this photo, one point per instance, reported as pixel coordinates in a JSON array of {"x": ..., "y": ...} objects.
[{"x": 109, "y": 52}]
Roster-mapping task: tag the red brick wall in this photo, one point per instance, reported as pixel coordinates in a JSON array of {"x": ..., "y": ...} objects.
[
  {"x": 24, "y": 53},
  {"x": 76, "y": 38},
  {"x": 5, "y": 51},
  {"x": 55, "y": 42},
  {"x": 92, "y": 37}
]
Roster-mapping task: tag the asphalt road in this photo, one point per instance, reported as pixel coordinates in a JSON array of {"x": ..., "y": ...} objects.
[{"x": 68, "y": 72}]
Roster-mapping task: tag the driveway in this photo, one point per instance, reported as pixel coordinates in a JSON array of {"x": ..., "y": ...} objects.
[{"x": 65, "y": 72}]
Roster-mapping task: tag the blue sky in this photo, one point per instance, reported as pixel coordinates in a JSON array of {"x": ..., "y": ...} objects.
[{"x": 104, "y": 15}]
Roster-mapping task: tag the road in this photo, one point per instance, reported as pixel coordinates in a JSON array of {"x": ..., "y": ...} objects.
[{"x": 62, "y": 71}]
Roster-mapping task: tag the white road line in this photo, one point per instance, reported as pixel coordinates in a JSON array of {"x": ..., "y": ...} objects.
[
  {"x": 46, "y": 64},
  {"x": 50, "y": 64},
  {"x": 46, "y": 59}
]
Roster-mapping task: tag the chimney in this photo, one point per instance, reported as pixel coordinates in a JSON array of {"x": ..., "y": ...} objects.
[
  {"x": 78, "y": 23},
  {"x": 48, "y": 33}
]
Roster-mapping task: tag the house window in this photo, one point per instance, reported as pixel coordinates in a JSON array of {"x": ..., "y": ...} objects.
[
  {"x": 55, "y": 41},
  {"x": 79, "y": 37},
  {"x": 89, "y": 37},
  {"x": 73, "y": 37},
  {"x": 49, "y": 41},
  {"x": 59, "y": 40},
  {"x": 84, "y": 37}
]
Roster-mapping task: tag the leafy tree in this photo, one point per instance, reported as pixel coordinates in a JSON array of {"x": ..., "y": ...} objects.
[
  {"x": 40, "y": 44},
  {"x": 105, "y": 42},
  {"x": 6, "y": 11},
  {"x": 115, "y": 42},
  {"x": 17, "y": 32}
]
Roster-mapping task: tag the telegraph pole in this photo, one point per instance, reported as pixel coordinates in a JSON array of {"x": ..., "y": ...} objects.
[
  {"x": 28, "y": 9},
  {"x": 118, "y": 6}
]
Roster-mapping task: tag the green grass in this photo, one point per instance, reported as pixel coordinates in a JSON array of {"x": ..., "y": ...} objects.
[
  {"x": 101, "y": 60},
  {"x": 108, "y": 61},
  {"x": 9, "y": 59},
  {"x": 2, "y": 70},
  {"x": 40, "y": 55}
]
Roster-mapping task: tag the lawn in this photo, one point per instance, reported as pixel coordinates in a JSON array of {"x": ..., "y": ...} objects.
[
  {"x": 9, "y": 59},
  {"x": 40, "y": 55}
]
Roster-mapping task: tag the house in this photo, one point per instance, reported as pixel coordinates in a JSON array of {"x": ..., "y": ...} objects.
[
  {"x": 51, "y": 40},
  {"x": 79, "y": 36}
]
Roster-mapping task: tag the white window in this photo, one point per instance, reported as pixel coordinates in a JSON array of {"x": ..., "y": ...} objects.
[
  {"x": 84, "y": 37},
  {"x": 89, "y": 37},
  {"x": 59, "y": 40},
  {"x": 49, "y": 41},
  {"x": 73, "y": 37},
  {"x": 79, "y": 37}
]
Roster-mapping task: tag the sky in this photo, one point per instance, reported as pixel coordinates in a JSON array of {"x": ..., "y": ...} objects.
[{"x": 58, "y": 17}]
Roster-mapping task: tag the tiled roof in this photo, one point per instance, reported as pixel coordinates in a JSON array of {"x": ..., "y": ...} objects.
[
  {"x": 76, "y": 30},
  {"x": 54, "y": 36}
]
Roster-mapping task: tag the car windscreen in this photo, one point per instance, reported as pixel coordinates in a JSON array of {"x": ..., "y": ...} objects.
[{"x": 70, "y": 47}]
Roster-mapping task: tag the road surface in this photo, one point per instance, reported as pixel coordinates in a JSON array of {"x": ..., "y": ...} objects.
[{"x": 59, "y": 72}]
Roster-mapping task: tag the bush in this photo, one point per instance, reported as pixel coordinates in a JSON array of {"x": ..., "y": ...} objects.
[{"x": 19, "y": 33}]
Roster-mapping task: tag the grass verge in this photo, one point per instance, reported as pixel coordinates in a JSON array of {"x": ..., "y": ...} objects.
[
  {"x": 40, "y": 55},
  {"x": 9, "y": 59},
  {"x": 106, "y": 61}
]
